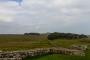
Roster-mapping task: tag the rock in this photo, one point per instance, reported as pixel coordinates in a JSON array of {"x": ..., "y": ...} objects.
[{"x": 79, "y": 47}]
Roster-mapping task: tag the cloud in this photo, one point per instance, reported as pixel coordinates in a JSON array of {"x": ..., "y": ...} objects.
[
  {"x": 8, "y": 11},
  {"x": 45, "y": 16}
]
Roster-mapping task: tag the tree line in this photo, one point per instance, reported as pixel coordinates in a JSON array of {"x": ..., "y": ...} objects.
[
  {"x": 57, "y": 35},
  {"x": 31, "y": 33}
]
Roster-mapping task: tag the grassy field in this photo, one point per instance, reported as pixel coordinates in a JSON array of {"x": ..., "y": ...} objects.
[{"x": 19, "y": 42}]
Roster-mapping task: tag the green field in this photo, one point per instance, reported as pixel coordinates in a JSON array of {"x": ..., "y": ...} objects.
[{"x": 21, "y": 42}]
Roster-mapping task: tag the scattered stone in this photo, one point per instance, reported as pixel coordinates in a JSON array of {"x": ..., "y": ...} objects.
[{"x": 79, "y": 47}]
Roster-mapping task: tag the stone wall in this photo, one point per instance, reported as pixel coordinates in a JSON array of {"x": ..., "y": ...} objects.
[{"x": 20, "y": 55}]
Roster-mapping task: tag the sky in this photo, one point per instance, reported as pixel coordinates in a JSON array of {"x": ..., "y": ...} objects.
[{"x": 71, "y": 16}]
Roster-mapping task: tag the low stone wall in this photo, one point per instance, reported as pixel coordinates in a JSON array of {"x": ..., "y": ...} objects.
[
  {"x": 20, "y": 55},
  {"x": 79, "y": 47}
]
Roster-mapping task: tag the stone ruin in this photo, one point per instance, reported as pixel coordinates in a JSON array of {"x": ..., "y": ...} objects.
[
  {"x": 20, "y": 55},
  {"x": 79, "y": 47}
]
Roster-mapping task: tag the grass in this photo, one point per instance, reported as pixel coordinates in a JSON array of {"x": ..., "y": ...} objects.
[
  {"x": 57, "y": 57},
  {"x": 21, "y": 42},
  {"x": 17, "y": 42}
]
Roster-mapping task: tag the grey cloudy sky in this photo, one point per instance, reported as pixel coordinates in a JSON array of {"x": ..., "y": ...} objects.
[{"x": 45, "y": 16}]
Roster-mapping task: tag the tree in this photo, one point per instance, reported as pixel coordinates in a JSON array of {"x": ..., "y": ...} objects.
[
  {"x": 26, "y": 33},
  {"x": 57, "y": 35}
]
